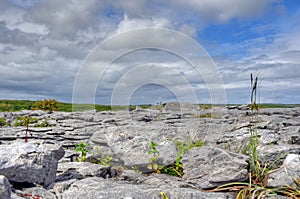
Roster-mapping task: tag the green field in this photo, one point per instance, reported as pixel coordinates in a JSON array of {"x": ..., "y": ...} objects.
[{"x": 19, "y": 105}]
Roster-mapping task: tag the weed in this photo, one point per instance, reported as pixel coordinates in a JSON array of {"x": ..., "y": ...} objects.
[
  {"x": 136, "y": 169},
  {"x": 25, "y": 121},
  {"x": 44, "y": 123},
  {"x": 104, "y": 160},
  {"x": 163, "y": 195},
  {"x": 208, "y": 115},
  {"x": 153, "y": 160},
  {"x": 81, "y": 147},
  {"x": 175, "y": 169},
  {"x": 3, "y": 122}
]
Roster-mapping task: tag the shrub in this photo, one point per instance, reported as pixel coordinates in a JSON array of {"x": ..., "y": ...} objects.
[
  {"x": 46, "y": 105},
  {"x": 3, "y": 122}
]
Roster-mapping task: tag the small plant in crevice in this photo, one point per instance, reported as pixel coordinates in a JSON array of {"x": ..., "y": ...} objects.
[
  {"x": 82, "y": 148},
  {"x": 175, "y": 169},
  {"x": 44, "y": 123},
  {"x": 25, "y": 121},
  {"x": 208, "y": 115},
  {"x": 100, "y": 158},
  {"x": 153, "y": 160},
  {"x": 182, "y": 146},
  {"x": 136, "y": 169},
  {"x": 163, "y": 195},
  {"x": 3, "y": 122}
]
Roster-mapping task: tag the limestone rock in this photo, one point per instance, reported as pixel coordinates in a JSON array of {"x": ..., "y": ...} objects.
[
  {"x": 5, "y": 191},
  {"x": 95, "y": 187},
  {"x": 80, "y": 170},
  {"x": 208, "y": 167},
  {"x": 275, "y": 154},
  {"x": 289, "y": 171},
  {"x": 39, "y": 192},
  {"x": 29, "y": 162}
]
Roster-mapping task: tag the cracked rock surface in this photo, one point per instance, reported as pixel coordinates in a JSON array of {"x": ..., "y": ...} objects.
[{"x": 45, "y": 165}]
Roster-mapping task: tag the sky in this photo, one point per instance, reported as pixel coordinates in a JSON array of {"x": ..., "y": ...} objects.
[{"x": 81, "y": 51}]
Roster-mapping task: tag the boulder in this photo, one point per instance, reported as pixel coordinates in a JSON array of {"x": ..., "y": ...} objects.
[
  {"x": 208, "y": 167},
  {"x": 286, "y": 175},
  {"x": 5, "y": 191},
  {"x": 29, "y": 162}
]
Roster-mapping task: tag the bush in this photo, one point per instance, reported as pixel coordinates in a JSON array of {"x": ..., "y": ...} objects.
[
  {"x": 46, "y": 105},
  {"x": 3, "y": 122}
]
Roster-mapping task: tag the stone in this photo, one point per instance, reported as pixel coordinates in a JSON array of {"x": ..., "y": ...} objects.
[
  {"x": 275, "y": 154},
  {"x": 80, "y": 170},
  {"x": 177, "y": 106},
  {"x": 289, "y": 171},
  {"x": 5, "y": 191},
  {"x": 30, "y": 162},
  {"x": 207, "y": 167},
  {"x": 131, "y": 145},
  {"x": 101, "y": 188},
  {"x": 135, "y": 153},
  {"x": 35, "y": 192}
]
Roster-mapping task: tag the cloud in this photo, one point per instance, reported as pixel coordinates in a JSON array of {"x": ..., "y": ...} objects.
[
  {"x": 128, "y": 24},
  {"x": 65, "y": 18},
  {"x": 43, "y": 44},
  {"x": 222, "y": 11},
  {"x": 15, "y": 36}
]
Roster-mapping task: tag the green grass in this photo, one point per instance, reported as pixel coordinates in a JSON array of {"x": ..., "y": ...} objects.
[
  {"x": 19, "y": 105},
  {"x": 3, "y": 122},
  {"x": 208, "y": 115},
  {"x": 175, "y": 169},
  {"x": 262, "y": 106}
]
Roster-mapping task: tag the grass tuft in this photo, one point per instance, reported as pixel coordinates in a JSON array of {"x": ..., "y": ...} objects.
[{"x": 257, "y": 187}]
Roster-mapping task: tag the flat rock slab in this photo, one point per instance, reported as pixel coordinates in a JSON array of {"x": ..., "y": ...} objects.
[
  {"x": 29, "y": 162},
  {"x": 101, "y": 188},
  {"x": 208, "y": 167}
]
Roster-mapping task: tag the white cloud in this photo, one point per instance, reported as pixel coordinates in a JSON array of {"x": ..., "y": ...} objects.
[
  {"x": 128, "y": 24},
  {"x": 223, "y": 11}
]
